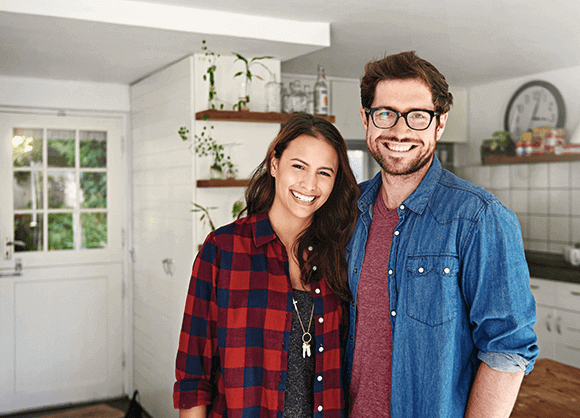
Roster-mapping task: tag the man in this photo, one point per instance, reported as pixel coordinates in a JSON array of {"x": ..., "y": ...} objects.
[{"x": 442, "y": 309}]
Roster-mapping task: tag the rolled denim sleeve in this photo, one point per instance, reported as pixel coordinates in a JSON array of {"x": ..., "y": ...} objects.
[{"x": 496, "y": 287}]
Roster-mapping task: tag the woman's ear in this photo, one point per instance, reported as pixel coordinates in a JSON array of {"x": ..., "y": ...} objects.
[{"x": 273, "y": 166}]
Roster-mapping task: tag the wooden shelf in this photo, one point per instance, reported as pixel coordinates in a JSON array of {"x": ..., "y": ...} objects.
[
  {"x": 527, "y": 159},
  {"x": 223, "y": 183},
  {"x": 242, "y": 116}
]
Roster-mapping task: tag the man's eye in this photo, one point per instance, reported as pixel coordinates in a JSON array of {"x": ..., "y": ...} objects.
[{"x": 385, "y": 114}]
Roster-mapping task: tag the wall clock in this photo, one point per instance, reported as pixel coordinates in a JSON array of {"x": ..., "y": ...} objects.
[{"x": 537, "y": 103}]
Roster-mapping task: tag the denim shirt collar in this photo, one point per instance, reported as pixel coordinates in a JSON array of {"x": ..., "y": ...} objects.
[{"x": 417, "y": 201}]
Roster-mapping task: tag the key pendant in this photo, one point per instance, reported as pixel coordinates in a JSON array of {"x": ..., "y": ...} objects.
[{"x": 306, "y": 350}]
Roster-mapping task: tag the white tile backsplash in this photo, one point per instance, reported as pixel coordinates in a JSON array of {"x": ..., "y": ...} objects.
[
  {"x": 559, "y": 175},
  {"x": 559, "y": 229},
  {"x": 539, "y": 201},
  {"x": 538, "y": 176},
  {"x": 519, "y": 200},
  {"x": 545, "y": 196},
  {"x": 575, "y": 174},
  {"x": 519, "y": 175},
  {"x": 500, "y": 178},
  {"x": 559, "y": 202}
]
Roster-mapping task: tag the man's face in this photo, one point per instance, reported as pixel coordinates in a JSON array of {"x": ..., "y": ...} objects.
[{"x": 400, "y": 150}]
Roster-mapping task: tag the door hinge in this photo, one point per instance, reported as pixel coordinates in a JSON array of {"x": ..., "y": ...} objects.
[{"x": 123, "y": 360}]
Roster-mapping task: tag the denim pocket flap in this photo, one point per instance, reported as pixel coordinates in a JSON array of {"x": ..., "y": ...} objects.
[{"x": 432, "y": 288}]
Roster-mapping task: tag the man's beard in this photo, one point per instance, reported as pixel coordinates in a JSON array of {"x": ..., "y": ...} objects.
[{"x": 415, "y": 166}]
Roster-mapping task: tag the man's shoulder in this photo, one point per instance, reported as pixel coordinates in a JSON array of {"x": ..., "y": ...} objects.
[{"x": 461, "y": 196}]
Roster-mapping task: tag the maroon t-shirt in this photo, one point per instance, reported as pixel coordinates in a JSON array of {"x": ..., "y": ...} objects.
[{"x": 370, "y": 386}]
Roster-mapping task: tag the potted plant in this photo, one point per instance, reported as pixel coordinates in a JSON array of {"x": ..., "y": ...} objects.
[
  {"x": 206, "y": 145},
  {"x": 501, "y": 144},
  {"x": 244, "y": 96}
]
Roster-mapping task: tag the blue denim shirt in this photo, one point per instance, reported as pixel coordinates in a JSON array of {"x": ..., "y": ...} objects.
[{"x": 459, "y": 292}]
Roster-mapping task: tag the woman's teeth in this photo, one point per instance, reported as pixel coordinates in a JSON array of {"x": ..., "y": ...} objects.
[{"x": 302, "y": 197}]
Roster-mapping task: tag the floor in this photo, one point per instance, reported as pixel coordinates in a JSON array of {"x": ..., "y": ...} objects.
[{"x": 119, "y": 403}]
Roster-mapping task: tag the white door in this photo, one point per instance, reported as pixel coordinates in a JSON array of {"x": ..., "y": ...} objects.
[{"x": 61, "y": 260}]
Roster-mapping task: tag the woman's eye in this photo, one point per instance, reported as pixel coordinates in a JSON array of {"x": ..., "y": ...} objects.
[
  {"x": 298, "y": 166},
  {"x": 324, "y": 173}
]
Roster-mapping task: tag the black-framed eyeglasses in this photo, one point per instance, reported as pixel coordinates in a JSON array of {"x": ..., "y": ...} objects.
[{"x": 416, "y": 119}]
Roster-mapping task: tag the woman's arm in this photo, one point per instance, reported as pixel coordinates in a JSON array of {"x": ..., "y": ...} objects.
[{"x": 196, "y": 412}]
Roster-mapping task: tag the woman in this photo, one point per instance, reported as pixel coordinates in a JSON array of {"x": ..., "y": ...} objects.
[{"x": 263, "y": 320}]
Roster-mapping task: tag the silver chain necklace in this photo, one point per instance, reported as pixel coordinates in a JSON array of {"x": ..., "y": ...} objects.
[{"x": 306, "y": 336}]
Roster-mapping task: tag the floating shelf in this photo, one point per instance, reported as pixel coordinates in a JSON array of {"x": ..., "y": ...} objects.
[
  {"x": 223, "y": 183},
  {"x": 243, "y": 116},
  {"x": 527, "y": 159}
]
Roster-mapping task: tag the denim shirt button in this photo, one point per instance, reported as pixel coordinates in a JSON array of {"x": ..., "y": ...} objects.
[
  {"x": 421, "y": 269},
  {"x": 446, "y": 270},
  {"x": 393, "y": 313},
  {"x": 402, "y": 207},
  {"x": 390, "y": 272},
  {"x": 397, "y": 233}
]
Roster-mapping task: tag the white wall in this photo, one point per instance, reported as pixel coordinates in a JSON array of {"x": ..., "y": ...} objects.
[
  {"x": 33, "y": 93},
  {"x": 163, "y": 182},
  {"x": 545, "y": 196}
]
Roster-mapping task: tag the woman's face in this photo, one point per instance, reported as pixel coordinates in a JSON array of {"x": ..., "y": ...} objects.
[{"x": 304, "y": 176}]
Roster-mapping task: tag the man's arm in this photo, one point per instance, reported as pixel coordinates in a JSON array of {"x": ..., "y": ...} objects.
[{"x": 493, "y": 393}]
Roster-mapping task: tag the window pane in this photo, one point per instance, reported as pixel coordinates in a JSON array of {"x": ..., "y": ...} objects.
[
  {"x": 28, "y": 229},
  {"x": 60, "y": 231},
  {"x": 62, "y": 190},
  {"x": 61, "y": 148},
  {"x": 27, "y": 147},
  {"x": 93, "y": 152},
  {"x": 27, "y": 188},
  {"x": 93, "y": 190},
  {"x": 94, "y": 230}
]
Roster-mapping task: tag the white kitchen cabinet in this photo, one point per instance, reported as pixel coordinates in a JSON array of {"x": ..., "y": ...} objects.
[
  {"x": 345, "y": 105},
  {"x": 457, "y": 121},
  {"x": 558, "y": 326}
]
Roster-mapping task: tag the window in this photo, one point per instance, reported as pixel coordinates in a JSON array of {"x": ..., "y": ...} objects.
[{"x": 60, "y": 189}]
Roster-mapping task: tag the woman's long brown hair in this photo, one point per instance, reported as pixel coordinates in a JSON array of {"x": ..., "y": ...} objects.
[{"x": 332, "y": 225}]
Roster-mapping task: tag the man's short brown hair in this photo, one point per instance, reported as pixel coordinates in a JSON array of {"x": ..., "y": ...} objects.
[{"x": 402, "y": 66}]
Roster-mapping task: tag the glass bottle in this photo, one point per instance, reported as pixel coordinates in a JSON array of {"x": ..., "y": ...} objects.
[
  {"x": 299, "y": 99},
  {"x": 272, "y": 95},
  {"x": 309, "y": 100},
  {"x": 321, "y": 93}
]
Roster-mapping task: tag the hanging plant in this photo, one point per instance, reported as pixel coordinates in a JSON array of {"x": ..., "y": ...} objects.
[
  {"x": 207, "y": 146},
  {"x": 210, "y": 76}
]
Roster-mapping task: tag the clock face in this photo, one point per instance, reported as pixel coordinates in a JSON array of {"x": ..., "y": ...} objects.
[{"x": 534, "y": 104}]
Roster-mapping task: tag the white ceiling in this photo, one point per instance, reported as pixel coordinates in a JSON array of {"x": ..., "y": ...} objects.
[{"x": 470, "y": 41}]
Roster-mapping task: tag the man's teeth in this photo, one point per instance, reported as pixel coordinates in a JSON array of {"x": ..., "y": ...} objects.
[
  {"x": 399, "y": 147},
  {"x": 303, "y": 197}
]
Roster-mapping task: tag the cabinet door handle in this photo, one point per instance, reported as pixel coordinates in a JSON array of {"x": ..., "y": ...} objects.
[
  {"x": 534, "y": 286},
  {"x": 558, "y": 328},
  {"x": 548, "y": 323},
  {"x": 573, "y": 293}
]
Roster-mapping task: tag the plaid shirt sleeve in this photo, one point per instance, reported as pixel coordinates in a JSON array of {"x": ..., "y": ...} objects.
[{"x": 197, "y": 361}]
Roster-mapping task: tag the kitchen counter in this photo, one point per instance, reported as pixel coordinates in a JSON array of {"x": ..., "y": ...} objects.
[{"x": 552, "y": 266}]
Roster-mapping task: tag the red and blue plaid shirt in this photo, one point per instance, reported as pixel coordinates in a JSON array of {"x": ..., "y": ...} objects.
[{"x": 233, "y": 347}]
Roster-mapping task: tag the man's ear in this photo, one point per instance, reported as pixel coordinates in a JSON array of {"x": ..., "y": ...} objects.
[
  {"x": 441, "y": 126},
  {"x": 364, "y": 118}
]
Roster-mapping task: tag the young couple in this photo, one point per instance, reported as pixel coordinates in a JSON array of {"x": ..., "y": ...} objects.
[{"x": 427, "y": 270}]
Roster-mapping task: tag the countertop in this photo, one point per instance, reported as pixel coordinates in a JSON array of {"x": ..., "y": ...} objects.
[{"x": 552, "y": 266}]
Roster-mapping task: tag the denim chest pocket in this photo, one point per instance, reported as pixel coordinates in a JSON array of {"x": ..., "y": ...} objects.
[{"x": 432, "y": 288}]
